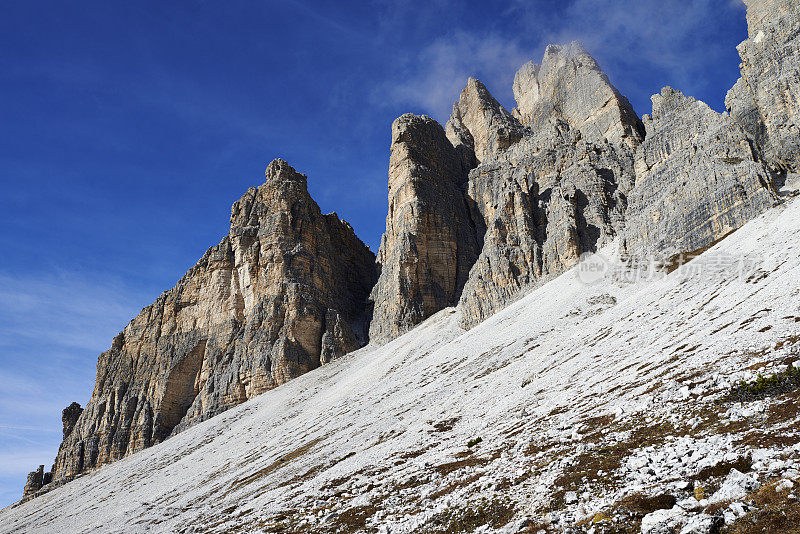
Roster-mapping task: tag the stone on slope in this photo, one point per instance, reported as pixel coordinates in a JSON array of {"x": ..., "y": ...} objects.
[
  {"x": 698, "y": 177},
  {"x": 550, "y": 198},
  {"x": 570, "y": 85},
  {"x": 480, "y": 125},
  {"x": 766, "y": 99},
  {"x": 429, "y": 244},
  {"x": 285, "y": 290}
]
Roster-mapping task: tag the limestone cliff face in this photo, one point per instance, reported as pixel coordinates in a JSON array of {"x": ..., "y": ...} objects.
[
  {"x": 699, "y": 176},
  {"x": 570, "y": 85},
  {"x": 429, "y": 244},
  {"x": 479, "y": 211},
  {"x": 766, "y": 99},
  {"x": 543, "y": 203},
  {"x": 480, "y": 124},
  {"x": 283, "y": 292}
]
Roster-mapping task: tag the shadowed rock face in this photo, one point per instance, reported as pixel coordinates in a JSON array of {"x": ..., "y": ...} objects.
[
  {"x": 283, "y": 292},
  {"x": 766, "y": 99},
  {"x": 698, "y": 178},
  {"x": 429, "y": 244},
  {"x": 570, "y": 85}
]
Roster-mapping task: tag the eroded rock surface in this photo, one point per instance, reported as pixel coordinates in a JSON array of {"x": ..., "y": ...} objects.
[
  {"x": 549, "y": 199},
  {"x": 480, "y": 125},
  {"x": 283, "y": 292},
  {"x": 429, "y": 244},
  {"x": 766, "y": 99},
  {"x": 570, "y": 85},
  {"x": 699, "y": 176}
]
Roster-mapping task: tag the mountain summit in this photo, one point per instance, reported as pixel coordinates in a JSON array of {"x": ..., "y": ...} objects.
[{"x": 485, "y": 362}]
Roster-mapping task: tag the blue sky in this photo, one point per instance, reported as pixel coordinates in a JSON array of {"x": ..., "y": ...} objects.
[{"x": 129, "y": 128}]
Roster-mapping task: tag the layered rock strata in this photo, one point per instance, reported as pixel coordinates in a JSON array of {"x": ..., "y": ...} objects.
[
  {"x": 429, "y": 244},
  {"x": 766, "y": 99},
  {"x": 699, "y": 176},
  {"x": 285, "y": 291}
]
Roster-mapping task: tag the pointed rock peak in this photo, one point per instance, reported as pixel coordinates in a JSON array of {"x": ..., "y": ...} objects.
[
  {"x": 481, "y": 124},
  {"x": 429, "y": 243},
  {"x": 279, "y": 169},
  {"x": 569, "y": 84},
  {"x": 410, "y": 128}
]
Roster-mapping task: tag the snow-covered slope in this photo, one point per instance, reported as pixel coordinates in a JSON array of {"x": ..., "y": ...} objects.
[{"x": 379, "y": 439}]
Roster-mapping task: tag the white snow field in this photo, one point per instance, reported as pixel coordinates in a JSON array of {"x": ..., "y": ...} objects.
[{"x": 579, "y": 394}]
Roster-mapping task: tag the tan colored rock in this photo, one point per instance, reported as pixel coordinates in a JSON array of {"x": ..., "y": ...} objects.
[
  {"x": 570, "y": 85},
  {"x": 429, "y": 244},
  {"x": 285, "y": 291},
  {"x": 480, "y": 124}
]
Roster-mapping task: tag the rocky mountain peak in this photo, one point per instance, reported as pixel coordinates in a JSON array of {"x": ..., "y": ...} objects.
[
  {"x": 429, "y": 244},
  {"x": 279, "y": 169},
  {"x": 569, "y": 84},
  {"x": 480, "y": 123},
  {"x": 284, "y": 292}
]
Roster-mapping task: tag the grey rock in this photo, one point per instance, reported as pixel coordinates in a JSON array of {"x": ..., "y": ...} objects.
[
  {"x": 699, "y": 176},
  {"x": 285, "y": 291},
  {"x": 550, "y": 198},
  {"x": 480, "y": 125},
  {"x": 429, "y": 244},
  {"x": 34, "y": 483},
  {"x": 765, "y": 99},
  {"x": 570, "y": 85}
]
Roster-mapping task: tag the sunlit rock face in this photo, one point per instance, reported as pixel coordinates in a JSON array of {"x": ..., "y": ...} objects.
[
  {"x": 539, "y": 206},
  {"x": 766, "y": 99},
  {"x": 698, "y": 177},
  {"x": 429, "y": 244},
  {"x": 570, "y": 85},
  {"x": 283, "y": 292},
  {"x": 481, "y": 125}
]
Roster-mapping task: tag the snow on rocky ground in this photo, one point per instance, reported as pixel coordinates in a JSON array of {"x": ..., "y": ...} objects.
[{"x": 578, "y": 408}]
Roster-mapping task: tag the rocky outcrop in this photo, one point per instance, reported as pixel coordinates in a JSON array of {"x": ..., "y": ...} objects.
[
  {"x": 480, "y": 210},
  {"x": 285, "y": 291},
  {"x": 570, "y": 85},
  {"x": 429, "y": 244},
  {"x": 698, "y": 177},
  {"x": 69, "y": 417},
  {"x": 479, "y": 125},
  {"x": 36, "y": 479},
  {"x": 549, "y": 199},
  {"x": 766, "y": 99}
]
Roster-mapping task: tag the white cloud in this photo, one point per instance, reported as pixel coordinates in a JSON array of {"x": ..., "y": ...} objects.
[
  {"x": 434, "y": 79},
  {"x": 670, "y": 37}
]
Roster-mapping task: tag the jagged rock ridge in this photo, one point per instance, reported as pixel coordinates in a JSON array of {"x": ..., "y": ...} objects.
[
  {"x": 699, "y": 177},
  {"x": 479, "y": 211},
  {"x": 429, "y": 244},
  {"x": 285, "y": 291},
  {"x": 766, "y": 99}
]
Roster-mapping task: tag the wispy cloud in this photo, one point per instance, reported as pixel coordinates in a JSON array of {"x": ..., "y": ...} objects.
[
  {"x": 66, "y": 310},
  {"x": 435, "y": 78},
  {"x": 668, "y": 34},
  {"x": 52, "y": 327},
  {"x": 670, "y": 37}
]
